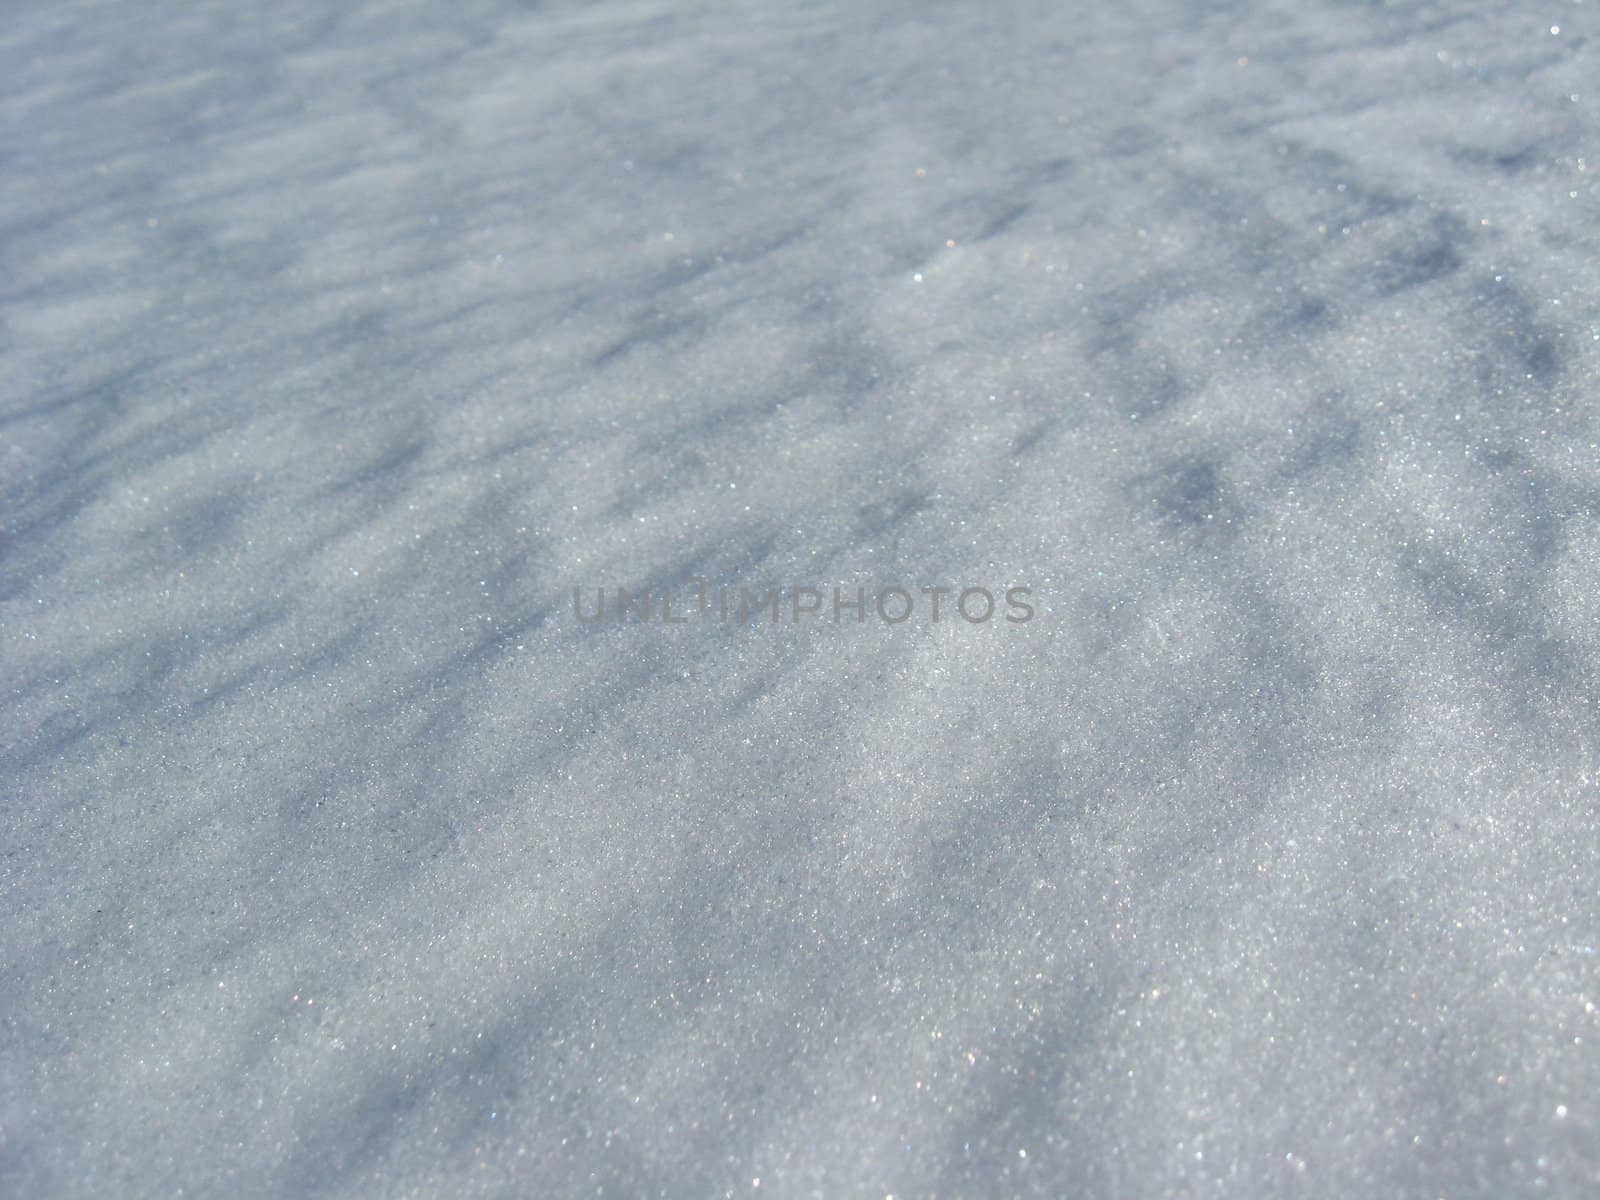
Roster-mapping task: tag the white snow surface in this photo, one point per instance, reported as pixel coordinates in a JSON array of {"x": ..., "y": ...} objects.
[{"x": 342, "y": 341}]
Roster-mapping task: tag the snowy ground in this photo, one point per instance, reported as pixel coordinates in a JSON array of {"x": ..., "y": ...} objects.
[{"x": 342, "y": 341}]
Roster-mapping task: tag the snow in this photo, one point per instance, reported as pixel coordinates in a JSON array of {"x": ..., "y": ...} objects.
[{"x": 342, "y": 342}]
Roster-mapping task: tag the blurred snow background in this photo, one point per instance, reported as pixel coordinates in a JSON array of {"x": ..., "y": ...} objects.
[{"x": 341, "y": 341}]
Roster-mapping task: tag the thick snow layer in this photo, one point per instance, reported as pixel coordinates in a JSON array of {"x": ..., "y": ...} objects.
[{"x": 341, "y": 342}]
